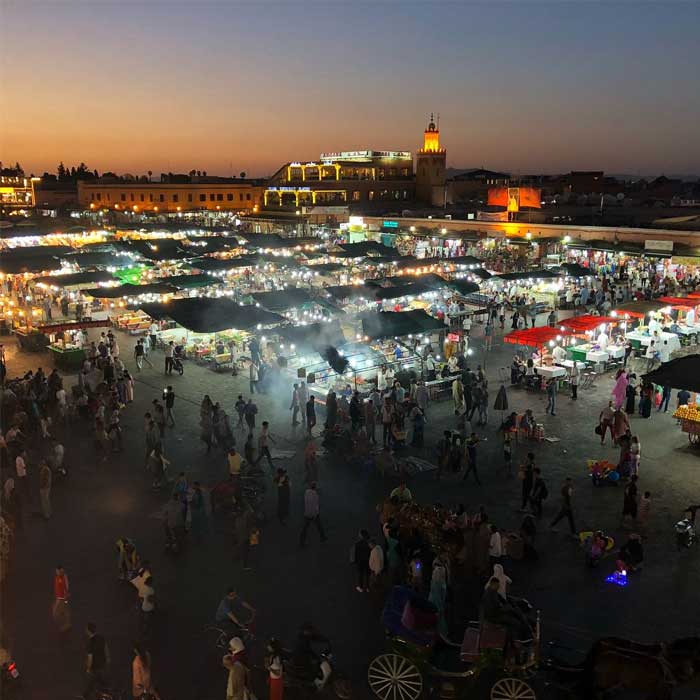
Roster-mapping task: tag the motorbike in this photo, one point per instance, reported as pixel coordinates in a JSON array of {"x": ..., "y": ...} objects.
[
  {"x": 685, "y": 534},
  {"x": 178, "y": 357},
  {"x": 305, "y": 679}
]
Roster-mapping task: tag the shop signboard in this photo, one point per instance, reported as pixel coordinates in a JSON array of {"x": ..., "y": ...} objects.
[{"x": 658, "y": 246}]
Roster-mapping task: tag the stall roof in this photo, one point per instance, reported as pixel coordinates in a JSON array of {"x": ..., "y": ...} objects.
[
  {"x": 587, "y": 322},
  {"x": 221, "y": 264},
  {"x": 408, "y": 261},
  {"x": 394, "y": 324},
  {"x": 324, "y": 267},
  {"x": 15, "y": 265},
  {"x": 680, "y": 301},
  {"x": 358, "y": 250},
  {"x": 102, "y": 259},
  {"x": 681, "y": 373},
  {"x": 210, "y": 244},
  {"x": 212, "y": 315},
  {"x": 429, "y": 278},
  {"x": 576, "y": 270},
  {"x": 130, "y": 290},
  {"x": 403, "y": 290},
  {"x": 350, "y": 291},
  {"x": 638, "y": 309},
  {"x": 77, "y": 279},
  {"x": 463, "y": 286},
  {"x": 534, "y": 337},
  {"x": 37, "y": 251},
  {"x": 191, "y": 281},
  {"x": 162, "y": 249},
  {"x": 481, "y": 273},
  {"x": 612, "y": 247},
  {"x": 528, "y": 275},
  {"x": 269, "y": 240},
  {"x": 315, "y": 336},
  {"x": 282, "y": 300}
]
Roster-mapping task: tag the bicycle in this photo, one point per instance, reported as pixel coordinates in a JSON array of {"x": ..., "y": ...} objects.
[{"x": 223, "y": 635}]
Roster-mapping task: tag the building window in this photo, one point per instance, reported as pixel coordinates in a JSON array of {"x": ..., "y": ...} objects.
[
  {"x": 176, "y": 198},
  {"x": 219, "y": 197},
  {"x": 150, "y": 197},
  {"x": 99, "y": 196},
  {"x": 92, "y": 196},
  {"x": 370, "y": 195},
  {"x": 380, "y": 173},
  {"x": 437, "y": 172},
  {"x": 356, "y": 195},
  {"x": 162, "y": 197},
  {"x": 109, "y": 197},
  {"x": 392, "y": 172},
  {"x": 189, "y": 197},
  {"x": 132, "y": 197},
  {"x": 143, "y": 197},
  {"x": 123, "y": 197},
  {"x": 229, "y": 197},
  {"x": 202, "y": 198},
  {"x": 241, "y": 196},
  {"x": 248, "y": 196},
  {"x": 405, "y": 194},
  {"x": 212, "y": 197}
]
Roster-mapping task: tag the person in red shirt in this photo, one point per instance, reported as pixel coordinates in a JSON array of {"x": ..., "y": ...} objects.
[{"x": 61, "y": 591}]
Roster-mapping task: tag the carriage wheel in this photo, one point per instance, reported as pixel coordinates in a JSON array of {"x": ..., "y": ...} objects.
[
  {"x": 394, "y": 677},
  {"x": 512, "y": 689}
]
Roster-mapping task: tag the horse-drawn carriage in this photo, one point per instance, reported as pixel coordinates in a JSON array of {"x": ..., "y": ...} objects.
[
  {"x": 417, "y": 649},
  {"x": 489, "y": 663}
]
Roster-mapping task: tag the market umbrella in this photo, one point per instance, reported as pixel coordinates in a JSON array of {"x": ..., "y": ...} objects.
[{"x": 681, "y": 373}]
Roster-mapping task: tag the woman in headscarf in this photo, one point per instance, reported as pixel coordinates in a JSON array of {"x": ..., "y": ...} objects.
[
  {"x": 621, "y": 425},
  {"x": 198, "y": 511},
  {"x": 12, "y": 504},
  {"x": 503, "y": 581},
  {"x": 619, "y": 392},
  {"x": 630, "y": 394}
]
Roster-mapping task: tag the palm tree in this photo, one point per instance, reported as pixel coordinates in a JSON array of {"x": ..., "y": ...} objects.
[
  {"x": 242, "y": 175},
  {"x": 150, "y": 172}
]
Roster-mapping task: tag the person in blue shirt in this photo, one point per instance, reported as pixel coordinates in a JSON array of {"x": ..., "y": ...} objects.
[{"x": 232, "y": 609}]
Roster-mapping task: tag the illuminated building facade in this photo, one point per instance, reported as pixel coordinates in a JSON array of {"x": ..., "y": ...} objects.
[
  {"x": 343, "y": 178},
  {"x": 431, "y": 163},
  {"x": 220, "y": 194},
  {"x": 17, "y": 192}
]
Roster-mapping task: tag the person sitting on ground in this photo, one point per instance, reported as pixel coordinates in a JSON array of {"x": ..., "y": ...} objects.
[
  {"x": 632, "y": 554},
  {"x": 402, "y": 493}
]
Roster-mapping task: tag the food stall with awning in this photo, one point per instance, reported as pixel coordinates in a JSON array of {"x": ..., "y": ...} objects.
[
  {"x": 544, "y": 339},
  {"x": 596, "y": 332},
  {"x": 204, "y": 326}
]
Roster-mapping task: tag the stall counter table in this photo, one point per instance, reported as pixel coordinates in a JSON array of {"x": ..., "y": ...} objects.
[
  {"x": 643, "y": 340},
  {"x": 67, "y": 359},
  {"x": 578, "y": 353},
  {"x": 552, "y": 372}
]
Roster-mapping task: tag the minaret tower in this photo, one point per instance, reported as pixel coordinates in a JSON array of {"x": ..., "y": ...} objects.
[{"x": 431, "y": 161}]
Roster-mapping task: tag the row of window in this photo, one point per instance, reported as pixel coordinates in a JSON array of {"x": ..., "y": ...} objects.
[{"x": 213, "y": 197}]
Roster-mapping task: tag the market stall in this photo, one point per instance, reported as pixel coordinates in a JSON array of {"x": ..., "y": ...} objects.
[
  {"x": 683, "y": 373},
  {"x": 598, "y": 344}
]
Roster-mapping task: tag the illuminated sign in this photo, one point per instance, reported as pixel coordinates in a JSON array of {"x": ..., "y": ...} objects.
[
  {"x": 356, "y": 221},
  {"x": 390, "y": 224},
  {"x": 660, "y": 246},
  {"x": 289, "y": 189},
  {"x": 366, "y": 155}
]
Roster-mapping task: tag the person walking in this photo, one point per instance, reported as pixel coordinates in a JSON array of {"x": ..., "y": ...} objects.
[
  {"x": 665, "y": 398},
  {"x": 96, "y": 661},
  {"x": 169, "y": 398},
  {"x": 250, "y": 411},
  {"x": 240, "y": 410},
  {"x": 61, "y": 592},
  {"x": 574, "y": 377},
  {"x": 238, "y": 673},
  {"x": 264, "y": 444},
  {"x": 312, "y": 514},
  {"x": 376, "y": 561},
  {"x": 198, "y": 513},
  {"x": 551, "y": 395},
  {"x": 361, "y": 554},
  {"x": 630, "y": 501},
  {"x": 303, "y": 394},
  {"x": 422, "y": 397},
  {"x": 294, "y": 406},
  {"x": 310, "y": 415},
  {"x": 141, "y": 675},
  {"x": 253, "y": 376},
  {"x": 527, "y": 476},
  {"x": 539, "y": 492},
  {"x": 283, "y": 495},
  {"x": 169, "y": 353},
  {"x": 566, "y": 510},
  {"x": 605, "y": 422},
  {"x": 45, "y": 478},
  {"x": 371, "y": 421},
  {"x": 22, "y": 481},
  {"x": 471, "y": 443}
]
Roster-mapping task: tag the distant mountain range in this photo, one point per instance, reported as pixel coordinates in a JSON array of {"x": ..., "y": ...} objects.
[{"x": 686, "y": 177}]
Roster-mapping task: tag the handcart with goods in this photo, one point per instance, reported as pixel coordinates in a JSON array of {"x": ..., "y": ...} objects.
[{"x": 689, "y": 418}]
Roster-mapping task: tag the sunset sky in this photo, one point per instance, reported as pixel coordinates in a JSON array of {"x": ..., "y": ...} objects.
[{"x": 227, "y": 86}]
